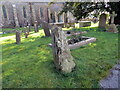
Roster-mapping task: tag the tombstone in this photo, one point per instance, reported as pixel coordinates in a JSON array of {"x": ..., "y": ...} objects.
[
  {"x": 102, "y": 20},
  {"x": 46, "y": 28},
  {"x": 112, "y": 27},
  {"x": 29, "y": 29},
  {"x": 36, "y": 26},
  {"x": 26, "y": 33},
  {"x": 61, "y": 52},
  {"x": 18, "y": 39}
]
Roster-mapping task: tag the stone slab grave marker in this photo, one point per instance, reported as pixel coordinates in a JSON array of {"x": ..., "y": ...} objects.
[
  {"x": 61, "y": 52},
  {"x": 36, "y": 26},
  {"x": 46, "y": 28},
  {"x": 102, "y": 20},
  {"x": 112, "y": 27},
  {"x": 29, "y": 28},
  {"x": 18, "y": 38},
  {"x": 26, "y": 33}
]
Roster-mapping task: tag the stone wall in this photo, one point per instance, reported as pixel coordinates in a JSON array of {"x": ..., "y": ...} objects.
[{"x": 15, "y": 14}]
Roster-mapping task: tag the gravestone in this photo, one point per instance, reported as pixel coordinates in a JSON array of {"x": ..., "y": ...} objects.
[
  {"x": 29, "y": 29},
  {"x": 36, "y": 26},
  {"x": 112, "y": 27},
  {"x": 61, "y": 52},
  {"x": 26, "y": 33},
  {"x": 18, "y": 39},
  {"x": 102, "y": 20},
  {"x": 46, "y": 28}
]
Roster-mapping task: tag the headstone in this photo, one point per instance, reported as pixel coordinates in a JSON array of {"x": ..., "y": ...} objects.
[
  {"x": 102, "y": 20},
  {"x": 46, "y": 28},
  {"x": 26, "y": 33},
  {"x": 36, "y": 26},
  {"x": 29, "y": 29},
  {"x": 61, "y": 52},
  {"x": 112, "y": 27},
  {"x": 18, "y": 40}
]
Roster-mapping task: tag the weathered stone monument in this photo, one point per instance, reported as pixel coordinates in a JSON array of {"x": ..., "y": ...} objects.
[
  {"x": 46, "y": 28},
  {"x": 102, "y": 20},
  {"x": 112, "y": 27},
  {"x": 36, "y": 26},
  {"x": 61, "y": 52},
  {"x": 18, "y": 38}
]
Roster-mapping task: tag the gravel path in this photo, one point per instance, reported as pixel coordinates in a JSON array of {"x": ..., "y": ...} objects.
[{"x": 113, "y": 79}]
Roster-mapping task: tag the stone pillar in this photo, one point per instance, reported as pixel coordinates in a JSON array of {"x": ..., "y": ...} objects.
[
  {"x": 33, "y": 13},
  {"x": 18, "y": 39},
  {"x": 56, "y": 17},
  {"x": 62, "y": 56},
  {"x": 1, "y": 24},
  {"x": 50, "y": 20},
  {"x": 15, "y": 15},
  {"x": 102, "y": 20}
]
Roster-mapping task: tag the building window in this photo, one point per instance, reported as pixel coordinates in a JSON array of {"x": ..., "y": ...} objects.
[
  {"x": 52, "y": 16},
  {"x": 24, "y": 12},
  {"x": 41, "y": 12},
  {"x": 60, "y": 18},
  {"x": 4, "y": 11}
]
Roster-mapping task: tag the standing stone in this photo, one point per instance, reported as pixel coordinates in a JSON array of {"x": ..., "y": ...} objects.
[
  {"x": 102, "y": 20},
  {"x": 61, "y": 52},
  {"x": 18, "y": 40},
  {"x": 36, "y": 26},
  {"x": 46, "y": 27}
]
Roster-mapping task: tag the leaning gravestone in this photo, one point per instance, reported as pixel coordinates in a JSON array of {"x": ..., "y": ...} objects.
[
  {"x": 36, "y": 26},
  {"x": 102, "y": 20},
  {"x": 18, "y": 37},
  {"x": 61, "y": 52},
  {"x": 112, "y": 27}
]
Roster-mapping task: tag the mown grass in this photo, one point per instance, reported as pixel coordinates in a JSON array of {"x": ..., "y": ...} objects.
[{"x": 30, "y": 64}]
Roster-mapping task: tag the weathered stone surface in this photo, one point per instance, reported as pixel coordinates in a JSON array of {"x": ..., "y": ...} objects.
[
  {"x": 102, "y": 20},
  {"x": 18, "y": 38},
  {"x": 61, "y": 52},
  {"x": 113, "y": 79}
]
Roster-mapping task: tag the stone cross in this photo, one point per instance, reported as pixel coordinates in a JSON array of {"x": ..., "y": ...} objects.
[
  {"x": 62, "y": 56},
  {"x": 18, "y": 39},
  {"x": 36, "y": 26},
  {"x": 112, "y": 17}
]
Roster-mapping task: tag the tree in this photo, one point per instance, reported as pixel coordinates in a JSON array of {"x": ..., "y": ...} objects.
[{"x": 83, "y": 9}]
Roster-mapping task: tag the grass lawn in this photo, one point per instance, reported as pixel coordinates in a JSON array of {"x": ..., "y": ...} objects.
[{"x": 30, "y": 64}]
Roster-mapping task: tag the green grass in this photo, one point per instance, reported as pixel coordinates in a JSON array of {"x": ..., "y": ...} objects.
[{"x": 30, "y": 64}]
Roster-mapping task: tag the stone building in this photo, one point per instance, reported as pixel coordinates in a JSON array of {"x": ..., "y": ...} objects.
[{"x": 19, "y": 14}]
